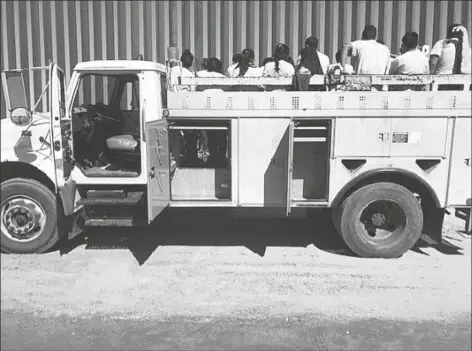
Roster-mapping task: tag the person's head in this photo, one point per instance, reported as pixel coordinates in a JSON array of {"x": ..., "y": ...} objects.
[
  {"x": 249, "y": 53},
  {"x": 186, "y": 59},
  {"x": 236, "y": 58},
  {"x": 214, "y": 65},
  {"x": 311, "y": 42},
  {"x": 454, "y": 34},
  {"x": 409, "y": 42},
  {"x": 281, "y": 53},
  {"x": 267, "y": 60},
  {"x": 369, "y": 32}
]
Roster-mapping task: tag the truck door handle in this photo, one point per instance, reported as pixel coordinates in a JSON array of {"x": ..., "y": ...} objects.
[
  {"x": 152, "y": 173},
  {"x": 467, "y": 161}
]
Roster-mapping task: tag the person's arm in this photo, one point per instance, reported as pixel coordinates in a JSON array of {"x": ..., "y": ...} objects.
[
  {"x": 433, "y": 62},
  {"x": 345, "y": 52},
  {"x": 394, "y": 67},
  {"x": 434, "y": 56}
]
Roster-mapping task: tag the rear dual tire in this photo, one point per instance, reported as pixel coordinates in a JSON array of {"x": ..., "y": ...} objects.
[{"x": 382, "y": 220}]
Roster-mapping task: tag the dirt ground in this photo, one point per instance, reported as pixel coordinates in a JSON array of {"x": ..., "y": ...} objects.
[{"x": 196, "y": 282}]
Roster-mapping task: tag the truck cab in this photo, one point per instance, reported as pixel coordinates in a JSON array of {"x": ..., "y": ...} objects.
[{"x": 119, "y": 146}]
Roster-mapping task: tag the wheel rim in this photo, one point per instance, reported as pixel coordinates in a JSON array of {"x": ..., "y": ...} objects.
[
  {"x": 382, "y": 221},
  {"x": 22, "y": 218}
]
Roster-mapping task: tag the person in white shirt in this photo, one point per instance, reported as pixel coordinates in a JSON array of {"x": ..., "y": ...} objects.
[
  {"x": 246, "y": 67},
  {"x": 451, "y": 55},
  {"x": 348, "y": 69},
  {"x": 182, "y": 71},
  {"x": 282, "y": 66},
  {"x": 372, "y": 57},
  {"x": 411, "y": 60},
  {"x": 312, "y": 42},
  {"x": 212, "y": 68},
  {"x": 230, "y": 70}
]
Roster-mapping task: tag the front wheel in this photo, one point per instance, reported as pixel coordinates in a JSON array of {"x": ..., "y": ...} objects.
[
  {"x": 381, "y": 220},
  {"x": 29, "y": 217}
]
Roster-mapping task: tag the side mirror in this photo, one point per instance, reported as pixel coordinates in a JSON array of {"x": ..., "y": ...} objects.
[{"x": 21, "y": 116}]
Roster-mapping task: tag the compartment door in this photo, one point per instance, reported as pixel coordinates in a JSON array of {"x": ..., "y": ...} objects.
[
  {"x": 460, "y": 176},
  {"x": 61, "y": 135},
  {"x": 158, "y": 167},
  {"x": 291, "y": 128}
]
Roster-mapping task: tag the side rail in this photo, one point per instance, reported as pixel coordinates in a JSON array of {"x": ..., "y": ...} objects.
[
  {"x": 337, "y": 82},
  {"x": 265, "y": 84}
]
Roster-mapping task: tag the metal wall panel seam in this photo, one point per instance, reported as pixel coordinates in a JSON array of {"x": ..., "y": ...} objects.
[
  {"x": 16, "y": 23},
  {"x": 65, "y": 23},
  {"x": 44, "y": 102},
  {"x": 29, "y": 34}
]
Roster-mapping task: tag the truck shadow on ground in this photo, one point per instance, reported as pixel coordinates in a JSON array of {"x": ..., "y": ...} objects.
[{"x": 204, "y": 227}]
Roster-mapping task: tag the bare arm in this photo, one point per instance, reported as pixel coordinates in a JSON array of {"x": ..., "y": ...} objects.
[
  {"x": 345, "y": 52},
  {"x": 433, "y": 61}
]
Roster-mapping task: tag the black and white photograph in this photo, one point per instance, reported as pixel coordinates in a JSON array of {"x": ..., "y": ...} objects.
[{"x": 236, "y": 175}]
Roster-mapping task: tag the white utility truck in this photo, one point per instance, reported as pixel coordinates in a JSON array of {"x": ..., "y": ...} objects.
[{"x": 121, "y": 144}]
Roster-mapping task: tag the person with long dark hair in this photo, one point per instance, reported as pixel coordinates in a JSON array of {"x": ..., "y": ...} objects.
[
  {"x": 212, "y": 68},
  {"x": 245, "y": 66},
  {"x": 236, "y": 59},
  {"x": 309, "y": 65},
  {"x": 312, "y": 43},
  {"x": 282, "y": 66},
  {"x": 183, "y": 70}
]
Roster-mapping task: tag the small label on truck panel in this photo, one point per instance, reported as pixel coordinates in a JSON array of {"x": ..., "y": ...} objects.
[{"x": 406, "y": 138}]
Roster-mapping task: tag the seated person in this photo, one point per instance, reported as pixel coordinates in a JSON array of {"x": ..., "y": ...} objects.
[
  {"x": 245, "y": 66},
  {"x": 411, "y": 60},
  {"x": 236, "y": 58},
  {"x": 348, "y": 69},
  {"x": 211, "y": 68},
  {"x": 282, "y": 66},
  {"x": 372, "y": 56},
  {"x": 312, "y": 42},
  {"x": 185, "y": 71},
  {"x": 308, "y": 66}
]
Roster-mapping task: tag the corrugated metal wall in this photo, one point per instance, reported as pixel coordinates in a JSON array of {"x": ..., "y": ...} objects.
[{"x": 67, "y": 32}]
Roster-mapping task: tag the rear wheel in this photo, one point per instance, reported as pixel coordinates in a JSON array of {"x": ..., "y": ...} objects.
[
  {"x": 28, "y": 215},
  {"x": 380, "y": 220}
]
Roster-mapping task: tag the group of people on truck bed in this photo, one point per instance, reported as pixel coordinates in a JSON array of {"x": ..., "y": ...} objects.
[{"x": 451, "y": 55}]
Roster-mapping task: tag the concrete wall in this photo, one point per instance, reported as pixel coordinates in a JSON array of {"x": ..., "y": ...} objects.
[{"x": 67, "y": 32}]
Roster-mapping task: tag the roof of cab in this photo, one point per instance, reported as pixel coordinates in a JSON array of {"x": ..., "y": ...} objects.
[{"x": 131, "y": 65}]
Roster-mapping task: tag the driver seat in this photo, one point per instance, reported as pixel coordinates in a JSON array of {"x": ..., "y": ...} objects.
[{"x": 124, "y": 150}]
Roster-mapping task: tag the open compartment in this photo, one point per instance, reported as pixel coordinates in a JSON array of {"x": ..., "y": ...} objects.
[
  {"x": 311, "y": 147},
  {"x": 201, "y": 160}
]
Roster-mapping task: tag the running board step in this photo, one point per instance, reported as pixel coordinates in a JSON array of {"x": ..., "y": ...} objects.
[
  {"x": 110, "y": 201},
  {"x": 99, "y": 222}
]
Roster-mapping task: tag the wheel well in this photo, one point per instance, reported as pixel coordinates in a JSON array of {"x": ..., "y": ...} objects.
[
  {"x": 407, "y": 179},
  {"x": 11, "y": 170}
]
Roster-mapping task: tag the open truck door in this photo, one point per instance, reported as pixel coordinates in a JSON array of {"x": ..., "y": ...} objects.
[
  {"x": 158, "y": 166},
  {"x": 291, "y": 128},
  {"x": 61, "y": 136}
]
